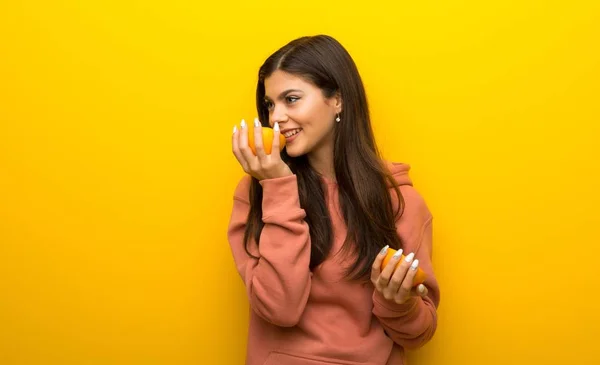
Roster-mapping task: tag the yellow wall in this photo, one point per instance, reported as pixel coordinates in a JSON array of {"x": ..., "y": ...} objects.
[{"x": 114, "y": 118}]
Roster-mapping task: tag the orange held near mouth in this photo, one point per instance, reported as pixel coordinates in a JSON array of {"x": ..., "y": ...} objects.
[
  {"x": 267, "y": 139},
  {"x": 420, "y": 274}
]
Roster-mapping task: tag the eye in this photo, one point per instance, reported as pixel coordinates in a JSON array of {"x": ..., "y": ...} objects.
[
  {"x": 268, "y": 104},
  {"x": 292, "y": 99}
]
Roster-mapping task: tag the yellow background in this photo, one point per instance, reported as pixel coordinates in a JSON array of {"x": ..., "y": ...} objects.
[{"x": 115, "y": 118}]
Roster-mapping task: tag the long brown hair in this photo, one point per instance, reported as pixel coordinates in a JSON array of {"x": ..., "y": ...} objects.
[{"x": 361, "y": 175}]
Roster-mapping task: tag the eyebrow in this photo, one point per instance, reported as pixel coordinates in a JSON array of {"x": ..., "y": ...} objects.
[{"x": 284, "y": 93}]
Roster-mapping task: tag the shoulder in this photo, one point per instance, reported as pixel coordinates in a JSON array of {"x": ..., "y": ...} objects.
[
  {"x": 415, "y": 205},
  {"x": 242, "y": 189}
]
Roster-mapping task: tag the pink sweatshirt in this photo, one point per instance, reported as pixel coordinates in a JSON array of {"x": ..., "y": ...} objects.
[{"x": 299, "y": 317}]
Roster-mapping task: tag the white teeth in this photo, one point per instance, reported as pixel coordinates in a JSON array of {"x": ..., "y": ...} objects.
[{"x": 291, "y": 133}]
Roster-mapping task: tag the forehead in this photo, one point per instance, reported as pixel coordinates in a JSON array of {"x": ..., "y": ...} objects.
[{"x": 280, "y": 81}]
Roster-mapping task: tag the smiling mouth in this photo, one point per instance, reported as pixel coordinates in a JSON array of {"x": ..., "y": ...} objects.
[{"x": 291, "y": 133}]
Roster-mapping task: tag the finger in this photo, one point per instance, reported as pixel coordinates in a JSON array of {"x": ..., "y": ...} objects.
[
  {"x": 243, "y": 145},
  {"x": 276, "y": 145},
  {"x": 376, "y": 268},
  {"x": 258, "y": 140},
  {"x": 236, "y": 148},
  {"x": 407, "y": 283},
  {"x": 399, "y": 275},
  {"x": 386, "y": 273},
  {"x": 422, "y": 290}
]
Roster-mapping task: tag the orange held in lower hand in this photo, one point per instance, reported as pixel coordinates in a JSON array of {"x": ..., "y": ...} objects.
[
  {"x": 267, "y": 139},
  {"x": 419, "y": 275}
]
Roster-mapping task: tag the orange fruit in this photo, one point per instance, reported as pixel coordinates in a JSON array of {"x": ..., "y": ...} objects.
[
  {"x": 267, "y": 139},
  {"x": 420, "y": 274}
]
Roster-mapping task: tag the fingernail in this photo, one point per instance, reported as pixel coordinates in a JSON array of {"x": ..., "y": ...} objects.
[
  {"x": 276, "y": 127},
  {"x": 383, "y": 250},
  {"x": 234, "y": 129},
  {"x": 398, "y": 254},
  {"x": 414, "y": 265},
  {"x": 256, "y": 122},
  {"x": 421, "y": 288},
  {"x": 243, "y": 123},
  {"x": 410, "y": 257}
]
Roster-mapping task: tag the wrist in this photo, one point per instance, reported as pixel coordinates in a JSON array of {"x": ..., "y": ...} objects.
[
  {"x": 405, "y": 306},
  {"x": 281, "y": 173}
]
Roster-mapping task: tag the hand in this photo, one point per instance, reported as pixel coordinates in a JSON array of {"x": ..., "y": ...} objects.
[
  {"x": 261, "y": 166},
  {"x": 396, "y": 285}
]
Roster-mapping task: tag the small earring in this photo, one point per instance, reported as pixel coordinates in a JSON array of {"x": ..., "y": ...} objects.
[{"x": 338, "y": 118}]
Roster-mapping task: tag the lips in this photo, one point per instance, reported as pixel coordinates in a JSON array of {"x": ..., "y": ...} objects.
[{"x": 291, "y": 132}]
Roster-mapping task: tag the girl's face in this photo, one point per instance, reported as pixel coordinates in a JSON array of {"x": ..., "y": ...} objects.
[{"x": 306, "y": 117}]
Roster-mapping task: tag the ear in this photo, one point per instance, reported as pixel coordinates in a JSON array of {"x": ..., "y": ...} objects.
[{"x": 337, "y": 102}]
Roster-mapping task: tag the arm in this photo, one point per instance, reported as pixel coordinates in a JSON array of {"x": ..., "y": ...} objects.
[
  {"x": 278, "y": 282},
  {"x": 413, "y": 323}
]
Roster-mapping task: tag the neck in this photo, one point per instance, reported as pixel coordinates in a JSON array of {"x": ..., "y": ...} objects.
[{"x": 321, "y": 160}]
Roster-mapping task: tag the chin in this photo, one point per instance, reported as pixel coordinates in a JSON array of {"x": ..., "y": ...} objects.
[{"x": 294, "y": 152}]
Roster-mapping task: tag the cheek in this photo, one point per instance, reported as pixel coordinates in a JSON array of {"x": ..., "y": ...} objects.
[
  {"x": 311, "y": 115},
  {"x": 303, "y": 113}
]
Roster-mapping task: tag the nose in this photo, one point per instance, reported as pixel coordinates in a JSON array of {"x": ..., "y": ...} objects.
[{"x": 279, "y": 115}]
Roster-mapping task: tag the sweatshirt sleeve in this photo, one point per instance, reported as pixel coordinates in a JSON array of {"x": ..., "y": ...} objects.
[
  {"x": 278, "y": 282},
  {"x": 413, "y": 323}
]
